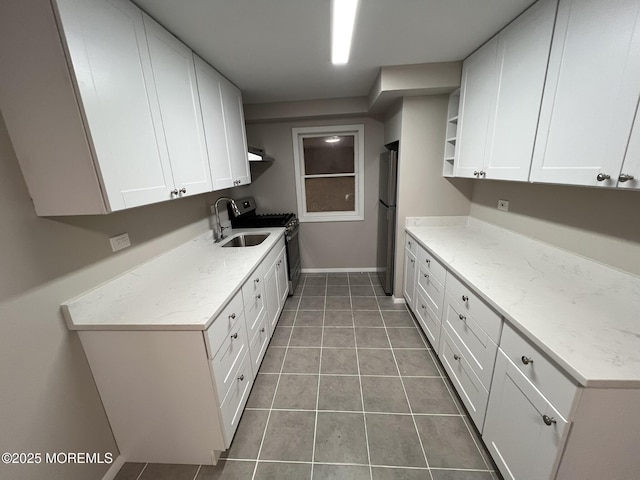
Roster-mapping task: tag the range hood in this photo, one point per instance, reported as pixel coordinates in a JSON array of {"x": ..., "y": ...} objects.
[{"x": 257, "y": 154}]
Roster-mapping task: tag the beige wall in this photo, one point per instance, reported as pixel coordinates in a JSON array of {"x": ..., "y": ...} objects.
[
  {"x": 48, "y": 400},
  {"x": 422, "y": 190},
  {"x": 327, "y": 245},
  {"x": 602, "y": 224}
]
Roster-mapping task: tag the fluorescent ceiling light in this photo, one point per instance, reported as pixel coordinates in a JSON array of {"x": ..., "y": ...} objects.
[
  {"x": 332, "y": 139},
  {"x": 343, "y": 19}
]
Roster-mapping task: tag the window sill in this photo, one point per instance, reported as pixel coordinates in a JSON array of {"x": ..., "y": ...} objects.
[{"x": 330, "y": 218}]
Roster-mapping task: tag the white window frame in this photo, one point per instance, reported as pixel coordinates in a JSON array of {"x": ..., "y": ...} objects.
[{"x": 358, "y": 165}]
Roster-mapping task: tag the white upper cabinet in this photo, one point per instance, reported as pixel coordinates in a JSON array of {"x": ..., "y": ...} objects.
[
  {"x": 174, "y": 75},
  {"x": 110, "y": 60},
  {"x": 591, "y": 93},
  {"x": 502, "y": 86},
  {"x": 236, "y": 136}
]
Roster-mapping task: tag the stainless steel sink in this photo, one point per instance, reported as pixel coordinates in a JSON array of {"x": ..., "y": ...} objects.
[{"x": 246, "y": 240}]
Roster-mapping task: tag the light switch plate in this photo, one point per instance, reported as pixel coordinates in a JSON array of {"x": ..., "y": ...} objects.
[
  {"x": 503, "y": 205},
  {"x": 120, "y": 241}
]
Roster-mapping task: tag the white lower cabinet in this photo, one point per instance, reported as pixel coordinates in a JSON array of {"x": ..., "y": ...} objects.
[
  {"x": 410, "y": 278},
  {"x": 276, "y": 286}
]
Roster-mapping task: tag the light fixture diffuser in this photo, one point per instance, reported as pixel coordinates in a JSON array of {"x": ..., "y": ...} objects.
[{"x": 343, "y": 19}]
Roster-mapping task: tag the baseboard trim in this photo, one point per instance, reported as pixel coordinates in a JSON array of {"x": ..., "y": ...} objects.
[
  {"x": 114, "y": 468},
  {"x": 340, "y": 270},
  {"x": 398, "y": 300}
]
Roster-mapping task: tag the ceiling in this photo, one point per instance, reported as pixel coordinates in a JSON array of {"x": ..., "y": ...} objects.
[{"x": 279, "y": 50}]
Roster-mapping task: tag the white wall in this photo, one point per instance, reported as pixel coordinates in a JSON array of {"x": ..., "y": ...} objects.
[
  {"x": 323, "y": 245},
  {"x": 48, "y": 400}
]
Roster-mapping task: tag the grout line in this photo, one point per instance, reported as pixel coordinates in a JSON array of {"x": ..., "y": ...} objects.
[
  {"x": 315, "y": 425},
  {"x": 142, "y": 471},
  {"x": 195, "y": 477}
]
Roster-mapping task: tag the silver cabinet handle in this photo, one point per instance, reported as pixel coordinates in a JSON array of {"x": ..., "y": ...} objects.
[
  {"x": 183, "y": 190},
  {"x": 465, "y": 298},
  {"x": 482, "y": 173},
  {"x": 241, "y": 377},
  {"x": 412, "y": 260},
  {"x": 456, "y": 356},
  {"x": 235, "y": 335},
  {"x": 526, "y": 360},
  {"x": 601, "y": 177},
  {"x": 422, "y": 306},
  {"x": 262, "y": 330},
  {"x": 462, "y": 317},
  {"x": 259, "y": 296},
  {"x": 409, "y": 243},
  {"x": 426, "y": 275},
  {"x": 428, "y": 262},
  {"x": 174, "y": 191},
  {"x": 257, "y": 280},
  {"x": 548, "y": 420},
  {"x": 625, "y": 177},
  {"x": 476, "y": 173},
  {"x": 232, "y": 316}
]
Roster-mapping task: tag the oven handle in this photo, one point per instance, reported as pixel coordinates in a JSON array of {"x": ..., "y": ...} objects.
[{"x": 294, "y": 233}]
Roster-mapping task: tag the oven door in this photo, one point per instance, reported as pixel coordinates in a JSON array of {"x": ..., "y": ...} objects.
[{"x": 293, "y": 258}]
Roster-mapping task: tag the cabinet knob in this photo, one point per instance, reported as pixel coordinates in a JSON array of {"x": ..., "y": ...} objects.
[
  {"x": 428, "y": 262},
  {"x": 232, "y": 316},
  {"x": 426, "y": 275},
  {"x": 601, "y": 177},
  {"x": 462, "y": 317},
  {"x": 259, "y": 296},
  {"x": 241, "y": 377},
  {"x": 279, "y": 263},
  {"x": 183, "y": 190},
  {"x": 625, "y": 177},
  {"x": 409, "y": 243},
  {"x": 257, "y": 280},
  {"x": 174, "y": 191},
  {"x": 526, "y": 360},
  {"x": 548, "y": 420},
  {"x": 456, "y": 356},
  {"x": 412, "y": 260},
  {"x": 235, "y": 335},
  {"x": 422, "y": 306},
  {"x": 482, "y": 173},
  {"x": 262, "y": 330},
  {"x": 465, "y": 298},
  {"x": 476, "y": 173}
]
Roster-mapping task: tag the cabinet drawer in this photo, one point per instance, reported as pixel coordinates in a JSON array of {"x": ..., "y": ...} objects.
[
  {"x": 477, "y": 347},
  {"x": 272, "y": 256},
  {"x": 471, "y": 304},
  {"x": 545, "y": 376},
  {"x": 233, "y": 404},
  {"x": 259, "y": 342},
  {"x": 227, "y": 359},
  {"x": 431, "y": 265},
  {"x": 473, "y": 393},
  {"x": 429, "y": 321},
  {"x": 254, "y": 309},
  {"x": 411, "y": 244},
  {"x": 223, "y": 324},
  {"x": 253, "y": 286},
  {"x": 431, "y": 288}
]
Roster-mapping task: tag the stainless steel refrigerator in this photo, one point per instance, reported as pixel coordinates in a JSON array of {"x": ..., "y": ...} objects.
[{"x": 387, "y": 219}]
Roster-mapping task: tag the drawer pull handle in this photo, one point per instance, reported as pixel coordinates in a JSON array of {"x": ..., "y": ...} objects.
[
  {"x": 412, "y": 260},
  {"x": 409, "y": 243},
  {"x": 259, "y": 296},
  {"x": 232, "y": 316},
  {"x": 426, "y": 276},
  {"x": 625, "y": 177},
  {"x": 548, "y": 420},
  {"x": 262, "y": 330},
  {"x": 428, "y": 262},
  {"x": 257, "y": 280},
  {"x": 241, "y": 377},
  {"x": 423, "y": 307},
  {"x": 462, "y": 317},
  {"x": 526, "y": 360},
  {"x": 465, "y": 298},
  {"x": 235, "y": 335},
  {"x": 456, "y": 356}
]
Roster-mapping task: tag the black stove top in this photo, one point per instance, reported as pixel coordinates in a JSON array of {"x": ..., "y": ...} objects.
[{"x": 262, "y": 221}]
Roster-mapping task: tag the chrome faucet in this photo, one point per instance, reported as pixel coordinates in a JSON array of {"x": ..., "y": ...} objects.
[{"x": 219, "y": 234}]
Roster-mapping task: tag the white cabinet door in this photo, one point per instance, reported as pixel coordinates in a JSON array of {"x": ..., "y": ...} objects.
[
  {"x": 591, "y": 93},
  {"x": 175, "y": 80},
  {"x": 209, "y": 86},
  {"x": 272, "y": 296},
  {"x": 110, "y": 59},
  {"x": 236, "y": 136},
  {"x": 631, "y": 166},
  {"x": 523, "y": 54},
  {"x": 522, "y": 444},
  {"x": 283, "y": 278},
  {"x": 478, "y": 80},
  {"x": 410, "y": 278}
]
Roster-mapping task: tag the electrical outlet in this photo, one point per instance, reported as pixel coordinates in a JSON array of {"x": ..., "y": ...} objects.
[
  {"x": 120, "y": 241},
  {"x": 503, "y": 205}
]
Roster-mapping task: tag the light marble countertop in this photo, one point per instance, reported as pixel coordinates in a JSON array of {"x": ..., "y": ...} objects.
[
  {"x": 183, "y": 289},
  {"x": 584, "y": 315}
]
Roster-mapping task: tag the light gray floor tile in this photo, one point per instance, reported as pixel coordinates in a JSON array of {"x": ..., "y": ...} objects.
[
  {"x": 429, "y": 395},
  {"x": 359, "y": 279},
  {"x": 376, "y": 362},
  {"x": 397, "y": 319},
  {"x": 371, "y": 338},
  {"x": 314, "y": 290},
  {"x": 289, "y": 436},
  {"x": 384, "y": 394},
  {"x": 339, "y": 360},
  {"x": 387, "y": 303},
  {"x": 297, "y": 392},
  {"x": 306, "y": 337},
  {"x": 460, "y": 475},
  {"x": 367, "y": 318},
  {"x": 130, "y": 471},
  {"x": 311, "y": 303},
  {"x": 338, "y": 337},
  {"x": 375, "y": 278},
  {"x": 231, "y": 470},
  {"x": 306, "y": 318},
  {"x": 302, "y": 360},
  {"x": 264, "y": 386},
  {"x": 272, "y": 361},
  {"x": 169, "y": 471},
  {"x": 362, "y": 291},
  {"x": 380, "y": 473},
  {"x": 340, "y": 472},
  {"x": 286, "y": 318},
  {"x": 316, "y": 280},
  {"x": 379, "y": 291},
  {"x": 338, "y": 290},
  {"x": 246, "y": 442},
  {"x": 338, "y": 279},
  {"x": 340, "y": 393},
  {"x": 416, "y": 362},
  {"x": 282, "y": 471},
  {"x": 364, "y": 303},
  {"x": 338, "y": 318},
  {"x": 338, "y": 303},
  {"x": 405, "y": 338},
  {"x": 393, "y": 441},
  {"x": 280, "y": 337},
  {"x": 340, "y": 438},
  {"x": 291, "y": 303},
  {"x": 447, "y": 443}
]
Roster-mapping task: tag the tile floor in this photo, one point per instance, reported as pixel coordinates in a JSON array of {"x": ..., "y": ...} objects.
[{"x": 348, "y": 389}]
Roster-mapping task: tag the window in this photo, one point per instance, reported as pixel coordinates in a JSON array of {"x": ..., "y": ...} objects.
[{"x": 329, "y": 165}]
